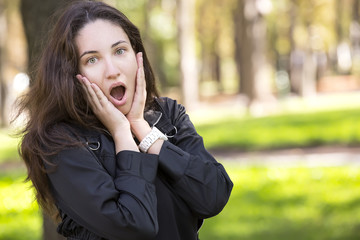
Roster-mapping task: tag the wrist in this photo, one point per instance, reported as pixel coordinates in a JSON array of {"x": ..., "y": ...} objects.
[
  {"x": 120, "y": 131},
  {"x": 124, "y": 141},
  {"x": 140, "y": 129}
]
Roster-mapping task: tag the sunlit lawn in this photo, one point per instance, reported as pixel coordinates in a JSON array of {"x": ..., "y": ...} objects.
[
  {"x": 266, "y": 203},
  {"x": 19, "y": 214},
  {"x": 339, "y": 127},
  {"x": 289, "y": 203}
]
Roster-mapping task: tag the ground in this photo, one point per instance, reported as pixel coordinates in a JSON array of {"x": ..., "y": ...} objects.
[{"x": 308, "y": 157}]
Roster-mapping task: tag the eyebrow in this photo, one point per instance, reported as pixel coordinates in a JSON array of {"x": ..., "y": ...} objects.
[
  {"x": 112, "y": 46},
  {"x": 117, "y": 43}
]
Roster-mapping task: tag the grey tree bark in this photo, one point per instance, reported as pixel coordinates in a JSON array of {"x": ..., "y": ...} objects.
[
  {"x": 295, "y": 58},
  {"x": 250, "y": 55}
]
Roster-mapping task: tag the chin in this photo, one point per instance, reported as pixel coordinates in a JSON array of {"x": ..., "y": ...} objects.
[{"x": 124, "y": 110}]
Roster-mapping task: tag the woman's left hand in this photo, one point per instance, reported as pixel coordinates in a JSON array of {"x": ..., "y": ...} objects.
[{"x": 139, "y": 126}]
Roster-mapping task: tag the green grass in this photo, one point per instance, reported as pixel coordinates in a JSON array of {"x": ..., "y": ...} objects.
[
  {"x": 19, "y": 213},
  {"x": 8, "y": 146},
  {"x": 289, "y": 203},
  {"x": 266, "y": 203},
  {"x": 284, "y": 131}
]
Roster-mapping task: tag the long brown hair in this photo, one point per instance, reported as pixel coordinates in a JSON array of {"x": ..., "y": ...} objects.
[{"x": 55, "y": 95}]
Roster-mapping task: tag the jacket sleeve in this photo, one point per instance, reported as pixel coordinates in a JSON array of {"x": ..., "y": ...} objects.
[
  {"x": 120, "y": 207},
  {"x": 196, "y": 176}
]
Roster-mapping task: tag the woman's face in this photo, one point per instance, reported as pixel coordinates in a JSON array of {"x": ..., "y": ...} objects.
[{"x": 107, "y": 59}]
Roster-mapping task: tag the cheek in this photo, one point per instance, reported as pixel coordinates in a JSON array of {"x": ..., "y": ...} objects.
[
  {"x": 134, "y": 69},
  {"x": 92, "y": 74},
  {"x": 133, "y": 79}
]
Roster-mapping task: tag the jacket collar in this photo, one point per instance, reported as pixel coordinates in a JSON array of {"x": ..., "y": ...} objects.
[
  {"x": 161, "y": 121},
  {"x": 152, "y": 117}
]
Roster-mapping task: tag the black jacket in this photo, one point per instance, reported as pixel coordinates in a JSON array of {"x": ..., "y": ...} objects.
[{"x": 132, "y": 195}]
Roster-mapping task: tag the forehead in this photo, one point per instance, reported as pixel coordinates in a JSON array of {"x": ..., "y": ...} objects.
[{"x": 98, "y": 34}]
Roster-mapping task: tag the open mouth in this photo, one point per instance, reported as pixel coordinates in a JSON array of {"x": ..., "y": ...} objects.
[{"x": 118, "y": 92}]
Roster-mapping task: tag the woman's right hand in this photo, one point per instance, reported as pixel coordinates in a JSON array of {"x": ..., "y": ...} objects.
[{"x": 113, "y": 119}]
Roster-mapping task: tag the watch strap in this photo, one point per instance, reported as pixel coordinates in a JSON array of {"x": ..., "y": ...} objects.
[{"x": 149, "y": 140}]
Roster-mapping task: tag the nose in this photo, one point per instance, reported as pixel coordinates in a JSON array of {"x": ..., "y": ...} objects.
[{"x": 111, "y": 71}]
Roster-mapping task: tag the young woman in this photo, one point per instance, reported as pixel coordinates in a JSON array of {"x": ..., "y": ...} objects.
[{"x": 103, "y": 151}]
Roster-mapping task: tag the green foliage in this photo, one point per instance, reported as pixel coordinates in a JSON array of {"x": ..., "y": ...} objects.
[
  {"x": 284, "y": 131},
  {"x": 289, "y": 203}
]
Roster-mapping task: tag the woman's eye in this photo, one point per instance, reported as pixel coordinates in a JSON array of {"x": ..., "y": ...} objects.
[
  {"x": 92, "y": 60},
  {"x": 120, "y": 51}
]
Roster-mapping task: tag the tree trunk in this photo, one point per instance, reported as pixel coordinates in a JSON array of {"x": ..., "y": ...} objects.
[
  {"x": 295, "y": 58},
  {"x": 338, "y": 23},
  {"x": 35, "y": 16},
  {"x": 343, "y": 58},
  {"x": 186, "y": 39},
  {"x": 154, "y": 49},
  {"x": 215, "y": 57},
  {"x": 217, "y": 68},
  {"x": 250, "y": 37},
  {"x": 238, "y": 19},
  {"x": 308, "y": 83},
  {"x": 355, "y": 38}
]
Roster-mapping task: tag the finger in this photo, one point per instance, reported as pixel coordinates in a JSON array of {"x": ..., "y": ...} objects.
[
  {"x": 84, "y": 87},
  {"x": 139, "y": 59},
  {"x": 99, "y": 94},
  {"x": 140, "y": 71},
  {"x": 140, "y": 79},
  {"x": 93, "y": 96},
  {"x": 80, "y": 78}
]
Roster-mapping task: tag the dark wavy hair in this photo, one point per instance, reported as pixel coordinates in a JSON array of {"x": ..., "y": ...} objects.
[{"x": 55, "y": 95}]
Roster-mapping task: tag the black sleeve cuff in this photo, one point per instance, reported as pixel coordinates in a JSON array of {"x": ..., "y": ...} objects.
[
  {"x": 173, "y": 160},
  {"x": 138, "y": 164}
]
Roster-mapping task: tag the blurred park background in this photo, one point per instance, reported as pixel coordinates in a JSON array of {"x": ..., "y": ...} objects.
[{"x": 273, "y": 86}]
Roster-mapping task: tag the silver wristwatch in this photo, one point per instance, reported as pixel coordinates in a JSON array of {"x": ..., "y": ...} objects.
[{"x": 149, "y": 140}]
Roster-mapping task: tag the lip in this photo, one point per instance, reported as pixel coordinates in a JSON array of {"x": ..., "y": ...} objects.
[{"x": 114, "y": 101}]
